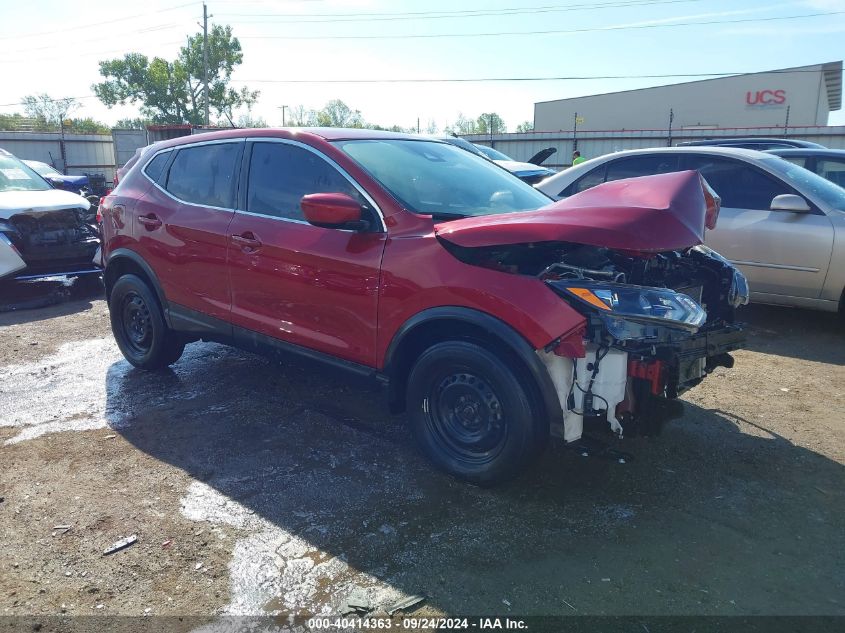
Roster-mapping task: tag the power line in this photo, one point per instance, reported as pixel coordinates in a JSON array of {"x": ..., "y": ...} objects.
[
  {"x": 93, "y": 24},
  {"x": 339, "y": 18},
  {"x": 551, "y": 32},
  {"x": 521, "y": 79}
]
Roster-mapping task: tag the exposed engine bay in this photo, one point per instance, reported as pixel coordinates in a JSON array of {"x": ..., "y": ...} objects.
[
  {"x": 53, "y": 241},
  {"x": 656, "y": 325}
]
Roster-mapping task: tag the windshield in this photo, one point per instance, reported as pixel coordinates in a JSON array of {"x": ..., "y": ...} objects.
[
  {"x": 492, "y": 154},
  {"x": 808, "y": 182},
  {"x": 42, "y": 168},
  {"x": 15, "y": 176},
  {"x": 442, "y": 180}
]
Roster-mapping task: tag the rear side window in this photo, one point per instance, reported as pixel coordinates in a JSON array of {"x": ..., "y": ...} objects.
[
  {"x": 205, "y": 174},
  {"x": 740, "y": 186},
  {"x": 636, "y": 166},
  {"x": 155, "y": 168},
  {"x": 280, "y": 174}
]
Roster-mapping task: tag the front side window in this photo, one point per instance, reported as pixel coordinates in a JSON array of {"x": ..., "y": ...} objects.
[
  {"x": 440, "y": 179},
  {"x": 832, "y": 169},
  {"x": 587, "y": 181},
  {"x": 15, "y": 176},
  {"x": 808, "y": 183},
  {"x": 636, "y": 166},
  {"x": 281, "y": 174},
  {"x": 801, "y": 161},
  {"x": 740, "y": 186},
  {"x": 205, "y": 174}
]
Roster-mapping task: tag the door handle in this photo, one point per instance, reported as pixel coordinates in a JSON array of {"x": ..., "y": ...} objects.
[
  {"x": 149, "y": 221},
  {"x": 247, "y": 241}
]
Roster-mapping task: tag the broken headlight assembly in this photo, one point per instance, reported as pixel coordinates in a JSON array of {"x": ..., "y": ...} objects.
[{"x": 635, "y": 312}]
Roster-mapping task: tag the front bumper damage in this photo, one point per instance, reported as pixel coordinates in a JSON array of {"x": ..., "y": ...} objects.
[{"x": 631, "y": 388}]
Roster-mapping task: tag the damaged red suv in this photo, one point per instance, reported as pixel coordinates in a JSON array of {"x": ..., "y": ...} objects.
[{"x": 495, "y": 317}]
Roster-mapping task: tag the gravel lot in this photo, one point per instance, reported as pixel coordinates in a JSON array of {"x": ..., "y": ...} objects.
[{"x": 259, "y": 488}]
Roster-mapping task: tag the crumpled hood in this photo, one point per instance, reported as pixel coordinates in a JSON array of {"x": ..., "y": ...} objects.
[
  {"x": 647, "y": 214},
  {"x": 75, "y": 181},
  {"x": 515, "y": 167},
  {"x": 13, "y": 202}
]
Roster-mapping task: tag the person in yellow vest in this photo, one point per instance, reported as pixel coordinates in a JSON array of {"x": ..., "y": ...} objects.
[{"x": 577, "y": 158}]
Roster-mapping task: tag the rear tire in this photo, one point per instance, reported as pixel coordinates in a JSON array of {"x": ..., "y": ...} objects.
[
  {"x": 471, "y": 415},
  {"x": 138, "y": 325}
]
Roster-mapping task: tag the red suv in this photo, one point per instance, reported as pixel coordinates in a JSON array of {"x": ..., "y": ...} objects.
[{"x": 495, "y": 317}]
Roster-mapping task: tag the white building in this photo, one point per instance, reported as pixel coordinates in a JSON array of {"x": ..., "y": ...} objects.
[{"x": 805, "y": 95}]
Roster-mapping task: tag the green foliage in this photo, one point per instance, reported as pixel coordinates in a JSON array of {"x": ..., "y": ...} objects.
[
  {"x": 462, "y": 125},
  {"x": 51, "y": 111},
  {"x": 490, "y": 123},
  {"x": 337, "y": 114},
  {"x": 172, "y": 92},
  {"x": 138, "y": 123},
  {"x": 19, "y": 123},
  {"x": 525, "y": 126}
]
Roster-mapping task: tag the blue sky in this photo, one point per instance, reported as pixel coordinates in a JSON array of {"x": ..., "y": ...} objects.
[{"x": 51, "y": 46}]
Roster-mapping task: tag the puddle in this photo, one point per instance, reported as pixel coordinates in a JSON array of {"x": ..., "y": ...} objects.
[
  {"x": 79, "y": 388},
  {"x": 274, "y": 572}
]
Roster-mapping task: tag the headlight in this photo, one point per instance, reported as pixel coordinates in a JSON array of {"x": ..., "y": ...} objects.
[
  {"x": 631, "y": 312},
  {"x": 738, "y": 294}
]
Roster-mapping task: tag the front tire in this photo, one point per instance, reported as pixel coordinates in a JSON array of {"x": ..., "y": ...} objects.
[
  {"x": 471, "y": 415},
  {"x": 138, "y": 325}
]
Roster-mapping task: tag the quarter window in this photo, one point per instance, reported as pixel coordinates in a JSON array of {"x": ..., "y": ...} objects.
[
  {"x": 280, "y": 174},
  {"x": 155, "y": 168},
  {"x": 739, "y": 185},
  {"x": 205, "y": 174}
]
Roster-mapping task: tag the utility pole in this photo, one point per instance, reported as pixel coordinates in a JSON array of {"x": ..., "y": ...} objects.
[
  {"x": 575, "y": 132},
  {"x": 205, "y": 59},
  {"x": 786, "y": 123},
  {"x": 283, "y": 108},
  {"x": 671, "y": 118},
  {"x": 491, "y": 130}
]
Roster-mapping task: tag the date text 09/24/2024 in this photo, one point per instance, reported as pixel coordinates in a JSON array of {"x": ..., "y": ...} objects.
[{"x": 419, "y": 623}]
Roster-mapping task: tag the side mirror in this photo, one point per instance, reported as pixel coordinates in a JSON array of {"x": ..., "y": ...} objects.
[
  {"x": 57, "y": 184},
  {"x": 790, "y": 202},
  {"x": 333, "y": 211}
]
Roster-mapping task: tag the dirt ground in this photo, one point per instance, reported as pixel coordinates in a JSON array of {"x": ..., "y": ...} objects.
[{"x": 263, "y": 488}]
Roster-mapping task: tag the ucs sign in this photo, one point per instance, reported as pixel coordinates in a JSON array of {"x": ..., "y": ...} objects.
[{"x": 765, "y": 97}]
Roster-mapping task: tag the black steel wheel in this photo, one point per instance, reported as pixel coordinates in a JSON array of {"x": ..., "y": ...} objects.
[
  {"x": 470, "y": 414},
  {"x": 138, "y": 325}
]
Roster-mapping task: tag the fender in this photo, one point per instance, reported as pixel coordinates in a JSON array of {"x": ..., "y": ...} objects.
[
  {"x": 135, "y": 258},
  {"x": 515, "y": 342}
]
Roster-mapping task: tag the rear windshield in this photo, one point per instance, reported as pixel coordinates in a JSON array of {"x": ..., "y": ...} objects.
[
  {"x": 15, "y": 176},
  {"x": 442, "y": 180}
]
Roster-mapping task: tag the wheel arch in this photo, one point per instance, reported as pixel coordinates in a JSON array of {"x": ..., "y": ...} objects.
[
  {"x": 450, "y": 323},
  {"x": 126, "y": 262}
]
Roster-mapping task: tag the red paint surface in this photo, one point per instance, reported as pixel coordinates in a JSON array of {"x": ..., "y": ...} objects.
[{"x": 648, "y": 214}]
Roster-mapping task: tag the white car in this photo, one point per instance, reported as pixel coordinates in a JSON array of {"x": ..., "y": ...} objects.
[
  {"x": 783, "y": 225},
  {"x": 43, "y": 231}
]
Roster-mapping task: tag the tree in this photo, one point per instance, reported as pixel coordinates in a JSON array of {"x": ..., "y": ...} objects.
[
  {"x": 490, "y": 122},
  {"x": 247, "y": 120},
  {"x": 86, "y": 126},
  {"x": 172, "y": 92},
  {"x": 337, "y": 114},
  {"x": 51, "y": 111},
  {"x": 462, "y": 125},
  {"x": 299, "y": 116},
  {"x": 138, "y": 123},
  {"x": 525, "y": 126}
]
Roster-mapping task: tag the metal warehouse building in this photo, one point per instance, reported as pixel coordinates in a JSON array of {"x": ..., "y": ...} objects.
[{"x": 802, "y": 96}]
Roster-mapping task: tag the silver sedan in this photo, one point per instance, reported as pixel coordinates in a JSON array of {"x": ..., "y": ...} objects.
[{"x": 783, "y": 225}]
